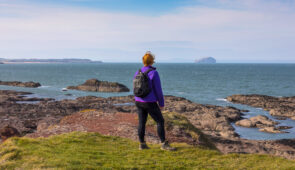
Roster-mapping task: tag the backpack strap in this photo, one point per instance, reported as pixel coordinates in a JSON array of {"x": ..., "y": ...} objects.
[{"x": 146, "y": 72}]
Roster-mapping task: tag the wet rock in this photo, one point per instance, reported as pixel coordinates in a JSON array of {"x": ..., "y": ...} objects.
[
  {"x": 20, "y": 84},
  {"x": 271, "y": 130},
  {"x": 264, "y": 123},
  {"x": 100, "y": 86},
  {"x": 284, "y": 127},
  {"x": 280, "y": 118}
]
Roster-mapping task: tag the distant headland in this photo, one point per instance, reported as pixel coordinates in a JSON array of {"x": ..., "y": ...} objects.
[
  {"x": 207, "y": 60},
  {"x": 71, "y": 60}
]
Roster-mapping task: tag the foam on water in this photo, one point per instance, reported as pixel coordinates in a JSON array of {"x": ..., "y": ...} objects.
[
  {"x": 221, "y": 99},
  {"x": 44, "y": 86}
]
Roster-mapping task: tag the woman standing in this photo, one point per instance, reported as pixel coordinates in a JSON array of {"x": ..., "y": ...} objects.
[{"x": 151, "y": 103}]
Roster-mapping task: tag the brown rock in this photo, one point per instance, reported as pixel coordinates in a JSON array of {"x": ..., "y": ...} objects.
[
  {"x": 271, "y": 130},
  {"x": 260, "y": 121},
  {"x": 245, "y": 123},
  {"x": 278, "y": 106},
  {"x": 7, "y": 132},
  {"x": 100, "y": 86},
  {"x": 284, "y": 127},
  {"x": 20, "y": 84}
]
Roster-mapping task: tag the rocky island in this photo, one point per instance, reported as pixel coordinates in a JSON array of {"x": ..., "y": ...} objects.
[
  {"x": 206, "y": 60},
  {"x": 20, "y": 84},
  {"x": 100, "y": 86}
]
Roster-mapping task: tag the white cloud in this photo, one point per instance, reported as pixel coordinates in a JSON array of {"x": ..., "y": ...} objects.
[{"x": 246, "y": 29}]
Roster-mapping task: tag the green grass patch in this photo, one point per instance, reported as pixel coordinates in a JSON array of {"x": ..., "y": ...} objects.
[{"x": 81, "y": 150}]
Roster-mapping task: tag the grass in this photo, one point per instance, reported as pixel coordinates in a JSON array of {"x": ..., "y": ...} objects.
[{"x": 82, "y": 150}]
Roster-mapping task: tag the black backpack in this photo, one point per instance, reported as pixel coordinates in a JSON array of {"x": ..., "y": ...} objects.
[{"x": 141, "y": 86}]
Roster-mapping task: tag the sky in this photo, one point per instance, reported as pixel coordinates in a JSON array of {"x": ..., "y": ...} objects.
[{"x": 174, "y": 30}]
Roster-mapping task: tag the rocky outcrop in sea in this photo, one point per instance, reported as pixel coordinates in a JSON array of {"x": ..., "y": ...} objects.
[
  {"x": 206, "y": 60},
  {"x": 20, "y": 84},
  {"x": 100, "y": 86}
]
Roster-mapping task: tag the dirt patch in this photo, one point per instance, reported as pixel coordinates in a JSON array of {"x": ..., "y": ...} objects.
[{"x": 113, "y": 124}]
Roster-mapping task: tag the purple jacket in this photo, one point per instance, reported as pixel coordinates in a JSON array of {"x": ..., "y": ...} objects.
[{"x": 156, "y": 94}]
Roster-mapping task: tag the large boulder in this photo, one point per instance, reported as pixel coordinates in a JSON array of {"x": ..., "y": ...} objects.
[
  {"x": 100, "y": 86},
  {"x": 245, "y": 123}
]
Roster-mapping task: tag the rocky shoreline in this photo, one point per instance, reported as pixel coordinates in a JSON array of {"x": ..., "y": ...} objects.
[
  {"x": 117, "y": 116},
  {"x": 281, "y": 107}
]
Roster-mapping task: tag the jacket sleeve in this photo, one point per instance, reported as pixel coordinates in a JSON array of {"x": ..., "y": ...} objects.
[{"x": 158, "y": 88}]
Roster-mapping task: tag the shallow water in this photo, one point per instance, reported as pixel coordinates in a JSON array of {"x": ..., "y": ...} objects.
[{"x": 201, "y": 83}]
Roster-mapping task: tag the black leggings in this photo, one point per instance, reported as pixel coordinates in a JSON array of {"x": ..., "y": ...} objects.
[{"x": 155, "y": 112}]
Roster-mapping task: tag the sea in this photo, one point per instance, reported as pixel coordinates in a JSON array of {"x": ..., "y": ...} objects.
[{"x": 200, "y": 83}]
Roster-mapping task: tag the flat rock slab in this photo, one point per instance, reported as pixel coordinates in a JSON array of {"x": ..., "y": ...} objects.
[{"x": 271, "y": 130}]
